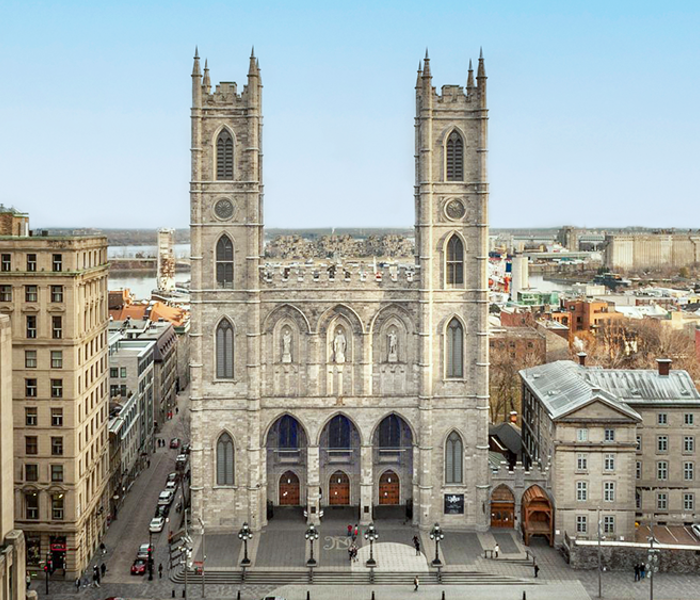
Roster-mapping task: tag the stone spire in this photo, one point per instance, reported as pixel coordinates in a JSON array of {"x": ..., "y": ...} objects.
[
  {"x": 206, "y": 82},
  {"x": 420, "y": 73},
  {"x": 253, "y": 69},
  {"x": 481, "y": 73},
  {"x": 426, "y": 66},
  {"x": 195, "y": 69},
  {"x": 470, "y": 76}
]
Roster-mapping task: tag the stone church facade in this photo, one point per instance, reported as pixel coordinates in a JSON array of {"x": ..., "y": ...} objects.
[{"x": 339, "y": 383}]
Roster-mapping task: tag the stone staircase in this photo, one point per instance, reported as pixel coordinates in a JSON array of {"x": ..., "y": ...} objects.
[{"x": 330, "y": 577}]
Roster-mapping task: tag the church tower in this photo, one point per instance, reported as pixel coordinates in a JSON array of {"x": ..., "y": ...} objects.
[
  {"x": 451, "y": 203},
  {"x": 226, "y": 195}
]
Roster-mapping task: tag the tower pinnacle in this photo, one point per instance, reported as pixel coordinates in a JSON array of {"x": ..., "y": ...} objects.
[
  {"x": 470, "y": 76},
  {"x": 481, "y": 73},
  {"x": 195, "y": 68},
  {"x": 426, "y": 66},
  {"x": 206, "y": 82}
]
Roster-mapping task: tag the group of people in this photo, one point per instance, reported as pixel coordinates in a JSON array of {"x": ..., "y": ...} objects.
[
  {"x": 353, "y": 532},
  {"x": 352, "y": 553},
  {"x": 640, "y": 572},
  {"x": 97, "y": 574}
]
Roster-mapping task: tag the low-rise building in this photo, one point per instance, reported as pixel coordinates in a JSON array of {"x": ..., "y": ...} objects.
[{"x": 622, "y": 442}]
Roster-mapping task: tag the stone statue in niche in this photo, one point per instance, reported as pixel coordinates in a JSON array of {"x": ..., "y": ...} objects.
[
  {"x": 286, "y": 345},
  {"x": 340, "y": 344},
  {"x": 392, "y": 341}
]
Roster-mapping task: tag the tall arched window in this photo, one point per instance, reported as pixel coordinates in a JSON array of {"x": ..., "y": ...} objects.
[
  {"x": 454, "y": 451},
  {"x": 390, "y": 432},
  {"x": 455, "y": 261},
  {"x": 339, "y": 432},
  {"x": 224, "y": 460},
  {"x": 224, "y": 155},
  {"x": 224, "y": 350},
  {"x": 455, "y": 349},
  {"x": 224, "y": 262},
  {"x": 288, "y": 433},
  {"x": 454, "y": 157}
]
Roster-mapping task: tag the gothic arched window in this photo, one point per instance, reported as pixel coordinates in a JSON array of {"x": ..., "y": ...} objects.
[
  {"x": 339, "y": 432},
  {"x": 454, "y": 157},
  {"x": 390, "y": 432},
  {"x": 454, "y": 450},
  {"x": 224, "y": 262},
  {"x": 288, "y": 438},
  {"x": 455, "y": 261},
  {"x": 224, "y": 460},
  {"x": 224, "y": 155},
  {"x": 455, "y": 349},
  {"x": 224, "y": 350}
]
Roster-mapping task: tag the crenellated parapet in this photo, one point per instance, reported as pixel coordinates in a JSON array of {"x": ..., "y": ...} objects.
[
  {"x": 339, "y": 274},
  {"x": 521, "y": 478}
]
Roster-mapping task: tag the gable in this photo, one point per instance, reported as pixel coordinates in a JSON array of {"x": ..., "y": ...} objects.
[{"x": 599, "y": 410}]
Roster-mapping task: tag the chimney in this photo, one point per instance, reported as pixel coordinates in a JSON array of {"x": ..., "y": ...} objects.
[
  {"x": 582, "y": 358},
  {"x": 664, "y": 365}
]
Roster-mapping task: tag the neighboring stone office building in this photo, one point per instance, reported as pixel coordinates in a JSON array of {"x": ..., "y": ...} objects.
[
  {"x": 131, "y": 373},
  {"x": 622, "y": 441},
  {"x": 339, "y": 383},
  {"x": 54, "y": 289},
  {"x": 12, "y": 550}
]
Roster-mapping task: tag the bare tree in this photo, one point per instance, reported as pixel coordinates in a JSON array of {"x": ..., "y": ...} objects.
[{"x": 505, "y": 387}]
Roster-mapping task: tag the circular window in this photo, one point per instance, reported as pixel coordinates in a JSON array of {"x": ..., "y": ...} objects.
[
  {"x": 223, "y": 209},
  {"x": 454, "y": 209}
]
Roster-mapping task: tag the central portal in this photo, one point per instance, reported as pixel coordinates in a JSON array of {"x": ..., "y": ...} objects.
[
  {"x": 389, "y": 488},
  {"x": 289, "y": 489}
]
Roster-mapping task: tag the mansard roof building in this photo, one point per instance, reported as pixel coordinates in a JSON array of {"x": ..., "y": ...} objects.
[{"x": 340, "y": 383}]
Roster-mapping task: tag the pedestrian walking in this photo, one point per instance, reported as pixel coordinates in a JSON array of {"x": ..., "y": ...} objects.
[
  {"x": 416, "y": 544},
  {"x": 103, "y": 548},
  {"x": 416, "y": 583},
  {"x": 349, "y": 530},
  {"x": 160, "y": 570},
  {"x": 496, "y": 550},
  {"x": 103, "y": 569},
  {"x": 77, "y": 584},
  {"x": 28, "y": 579},
  {"x": 177, "y": 410},
  {"x": 350, "y": 553},
  {"x": 356, "y": 531},
  {"x": 537, "y": 570},
  {"x": 642, "y": 571},
  {"x": 148, "y": 463},
  {"x": 636, "y": 573}
]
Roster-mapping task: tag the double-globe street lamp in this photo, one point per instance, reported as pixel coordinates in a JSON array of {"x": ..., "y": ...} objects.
[
  {"x": 438, "y": 535},
  {"x": 311, "y": 535},
  {"x": 245, "y": 534},
  {"x": 372, "y": 535}
]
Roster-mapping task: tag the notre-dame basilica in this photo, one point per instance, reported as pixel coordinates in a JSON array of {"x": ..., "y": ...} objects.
[{"x": 340, "y": 382}]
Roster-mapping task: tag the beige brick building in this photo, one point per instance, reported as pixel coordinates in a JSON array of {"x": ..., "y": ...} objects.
[
  {"x": 339, "y": 382},
  {"x": 54, "y": 290},
  {"x": 12, "y": 557},
  {"x": 619, "y": 441}
]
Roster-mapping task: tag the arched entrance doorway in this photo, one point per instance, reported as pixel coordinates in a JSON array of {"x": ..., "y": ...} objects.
[
  {"x": 339, "y": 489},
  {"x": 285, "y": 446},
  {"x": 537, "y": 515},
  {"x": 289, "y": 489},
  {"x": 389, "y": 489},
  {"x": 502, "y": 507}
]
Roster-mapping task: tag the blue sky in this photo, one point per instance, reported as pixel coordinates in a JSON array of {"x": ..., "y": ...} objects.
[{"x": 594, "y": 107}]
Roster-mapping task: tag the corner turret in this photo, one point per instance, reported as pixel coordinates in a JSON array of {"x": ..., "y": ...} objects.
[{"x": 196, "y": 81}]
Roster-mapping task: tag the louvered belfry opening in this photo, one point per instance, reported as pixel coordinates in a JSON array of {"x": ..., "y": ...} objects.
[
  {"x": 224, "y": 262},
  {"x": 455, "y": 261},
  {"x": 455, "y": 157},
  {"x": 224, "y": 155},
  {"x": 224, "y": 350},
  {"x": 455, "y": 336}
]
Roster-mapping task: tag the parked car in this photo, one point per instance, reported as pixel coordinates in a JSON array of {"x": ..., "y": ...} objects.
[
  {"x": 181, "y": 461},
  {"x": 165, "y": 497},
  {"x": 139, "y": 567},
  {"x": 157, "y": 524},
  {"x": 174, "y": 476},
  {"x": 171, "y": 485},
  {"x": 175, "y": 443},
  {"x": 162, "y": 511},
  {"x": 143, "y": 551},
  {"x": 186, "y": 448},
  {"x": 696, "y": 529}
]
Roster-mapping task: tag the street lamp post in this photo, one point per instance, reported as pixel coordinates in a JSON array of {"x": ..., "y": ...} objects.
[
  {"x": 372, "y": 535},
  {"x": 438, "y": 535},
  {"x": 47, "y": 568},
  {"x": 245, "y": 534},
  {"x": 311, "y": 535},
  {"x": 204, "y": 552},
  {"x": 652, "y": 562},
  {"x": 600, "y": 563},
  {"x": 150, "y": 555}
]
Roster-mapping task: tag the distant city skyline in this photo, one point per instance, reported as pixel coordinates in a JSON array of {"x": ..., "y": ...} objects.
[{"x": 593, "y": 108}]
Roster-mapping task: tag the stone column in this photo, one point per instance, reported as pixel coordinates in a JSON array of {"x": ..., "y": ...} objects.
[
  {"x": 313, "y": 482},
  {"x": 366, "y": 484}
]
